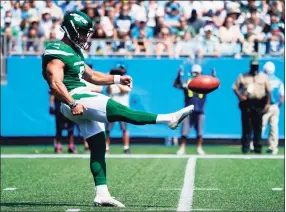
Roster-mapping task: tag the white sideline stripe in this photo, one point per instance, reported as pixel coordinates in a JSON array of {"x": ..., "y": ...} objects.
[
  {"x": 205, "y": 209},
  {"x": 141, "y": 156},
  {"x": 277, "y": 189},
  {"x": 72, "y": 210},
  {"x": 186, "y": 198},
  {"x": 9, "y": 189}
]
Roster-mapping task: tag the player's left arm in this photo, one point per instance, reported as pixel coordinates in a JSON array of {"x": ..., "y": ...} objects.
[{"x": 99, "y": 78}]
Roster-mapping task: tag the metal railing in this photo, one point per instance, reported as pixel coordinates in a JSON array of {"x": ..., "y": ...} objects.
[
  {"x": 3, "y": 59},
  {"x": 131, "y": 48}
]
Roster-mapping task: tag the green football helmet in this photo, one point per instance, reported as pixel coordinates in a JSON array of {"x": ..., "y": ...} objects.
[{"x": 78, "y": 28}]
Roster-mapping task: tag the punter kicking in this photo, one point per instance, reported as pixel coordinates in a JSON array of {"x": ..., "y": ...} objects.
[{"x": 64, "y": 68}]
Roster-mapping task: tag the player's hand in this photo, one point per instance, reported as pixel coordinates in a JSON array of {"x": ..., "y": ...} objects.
[
  {"x": 126, "y": 80},
  {"x": 78, "y": 109},
  {"x": 242, "y": 98}
]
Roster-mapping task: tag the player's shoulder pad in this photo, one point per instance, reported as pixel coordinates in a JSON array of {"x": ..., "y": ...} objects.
[{"x": 57, "y": 48}]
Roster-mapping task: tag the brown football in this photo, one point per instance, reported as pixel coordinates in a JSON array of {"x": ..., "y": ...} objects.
[{"x": 204, "y": 84}]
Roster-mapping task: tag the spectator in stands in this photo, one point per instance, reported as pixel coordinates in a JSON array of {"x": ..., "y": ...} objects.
[
  {"x": 230, "y": 35},
  {"x": 186, "y": 46},
  {"x": 195, "y": 22},
  {"x": 137, "y": 9},
  {"x": 107, "y": 23},
  {"x": 255, "y": 20},
  {"x": 46, "y": 23},
  {"x": 142, "y": 44},
  {"x": 172, "y": 18},
  {"x": 68, "y": 6},
  {"x": 26, "y": 10},
  {"x": 62, "y": 123},
  {"x": 124, "y": 45},
  {"x": 159, "y": 25},
  {"x": 250, "y": 42},
  {"x": 124, "y": 21},
  {"x": 106, "y": 7},
  {"x": 140, "y": 25},
  {"x": 209, "y": 44},
  {"x": 119, "y": 93},
  {"x": 274, "y": 19},
  {"x": 34, "y": 10},
  {"x": 17, "y": 13},
  {"x": 271, "y": 116},
  {"x": 275, "y": 40},
  {"x": 253, "y": 92},
  {"x": 34, "y": 37},
  {"x": 165, "y": 44},
  {"x": 183, "y": 29},
  {"x": 55, "y": 11},
  {"x": 154, "y": 10}
]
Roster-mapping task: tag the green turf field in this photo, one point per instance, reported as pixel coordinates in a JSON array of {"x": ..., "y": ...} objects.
[{"x": 144, "y": 184}]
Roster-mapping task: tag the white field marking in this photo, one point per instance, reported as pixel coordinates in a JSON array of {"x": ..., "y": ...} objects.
[
  {"x": 141, "y": 156},
  {"x": 72, "y": 210},
  {"x": 186, "y": 198},
  {"x": 9, "y": 189},
  {"x": 206, "y": 209},
  {"x": 277, "y": 189},
  {"x": 206, "y": 189}
]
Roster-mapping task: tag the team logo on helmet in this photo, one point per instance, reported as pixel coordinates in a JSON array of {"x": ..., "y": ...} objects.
[{"x": 79, "y": 18}]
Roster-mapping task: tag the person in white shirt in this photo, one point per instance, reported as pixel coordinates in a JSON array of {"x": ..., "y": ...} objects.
[{"x": 119, "y": 93}]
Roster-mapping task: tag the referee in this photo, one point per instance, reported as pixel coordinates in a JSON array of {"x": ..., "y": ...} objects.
[{"x": 253, "y": 91}]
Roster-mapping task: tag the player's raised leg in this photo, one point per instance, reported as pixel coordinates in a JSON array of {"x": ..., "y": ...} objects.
[{"x": 118, "y": 112}]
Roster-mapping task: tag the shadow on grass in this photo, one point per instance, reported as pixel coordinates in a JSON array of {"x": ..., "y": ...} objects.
[{"x": 15, "y": 204}]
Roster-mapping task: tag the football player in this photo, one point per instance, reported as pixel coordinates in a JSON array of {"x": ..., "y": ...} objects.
[{"x": 63, "y": 68}]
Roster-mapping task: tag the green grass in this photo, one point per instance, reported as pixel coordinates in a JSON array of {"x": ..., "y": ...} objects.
[
  {"x": 136, "y": 149},
  {"x": 142, "y": 184}
]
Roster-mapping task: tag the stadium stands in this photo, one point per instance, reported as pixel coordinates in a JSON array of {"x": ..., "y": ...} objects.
[{"x": 151, "y": 28}]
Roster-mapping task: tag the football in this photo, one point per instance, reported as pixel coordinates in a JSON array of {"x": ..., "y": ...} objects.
[{"x": 204, "y": 84}]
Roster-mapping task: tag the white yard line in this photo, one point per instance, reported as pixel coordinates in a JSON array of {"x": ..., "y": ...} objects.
[
  {"x": 141, "y": 156},
  {"x": 186, "y": 198}
]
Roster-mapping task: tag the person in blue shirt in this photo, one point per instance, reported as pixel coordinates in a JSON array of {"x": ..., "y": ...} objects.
[
  {"x": 140, "y": 24},
  {"x": 197, "y": 119},
  {"x": 271, "y": 117}
]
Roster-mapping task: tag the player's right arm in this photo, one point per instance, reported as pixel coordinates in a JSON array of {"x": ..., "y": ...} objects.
[{"x": 55, "y": 76}]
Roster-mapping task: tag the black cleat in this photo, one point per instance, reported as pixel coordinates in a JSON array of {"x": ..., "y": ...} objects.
[{"x": 127, "y": 151}]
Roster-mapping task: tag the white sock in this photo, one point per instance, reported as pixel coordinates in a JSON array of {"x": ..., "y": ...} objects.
[
  {"x": 102, "y": 190},
  {"x": 126, "y": 147},
  {"x": 164, "y": 118},
  {"x": 107, "y": 148}
]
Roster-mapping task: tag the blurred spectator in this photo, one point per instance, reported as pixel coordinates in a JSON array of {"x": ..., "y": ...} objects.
[
  {"x": 154, "y": 10},
  {"x": 17, "y": 14},
  {"x": 142, "y": 44},
  {"x": 183, "y": 29},
  {"x": 172, "y": 18},
  {"x": 34, "y": 10},
  {"x": 106, "y": 7},
  {"x": 46, "y": 23},
  {"x": 137, "y": 9},
  {"x": 186, "y": 46},
  {"x": 195, "y": 22},
  {"x": 27, "y": 12},
  {"x": 33, "y": 37},
  {"x": 159, "y": 25},
  {"x": 165, "y": 45},
  {"x": 124, "y": 45},
  {"x": 55, "y": 11},
  {"x": 274, "y": 20},
  {"x": 274, "y": 40},
  {"x": 229, "y": 35},
  {"x": 209, "y": 44},
  {"x": 140, "y": 25},
  {"x": 11, "y": 34},
  {"x": 256, "y": 21},
  {"x": 68, "y": 6},
  {"x": 213, "y": 11},
  {"x": 250, "y": 43},
  {"x": 93, "y": 14},
  {"x": 124, "y": 21}
]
